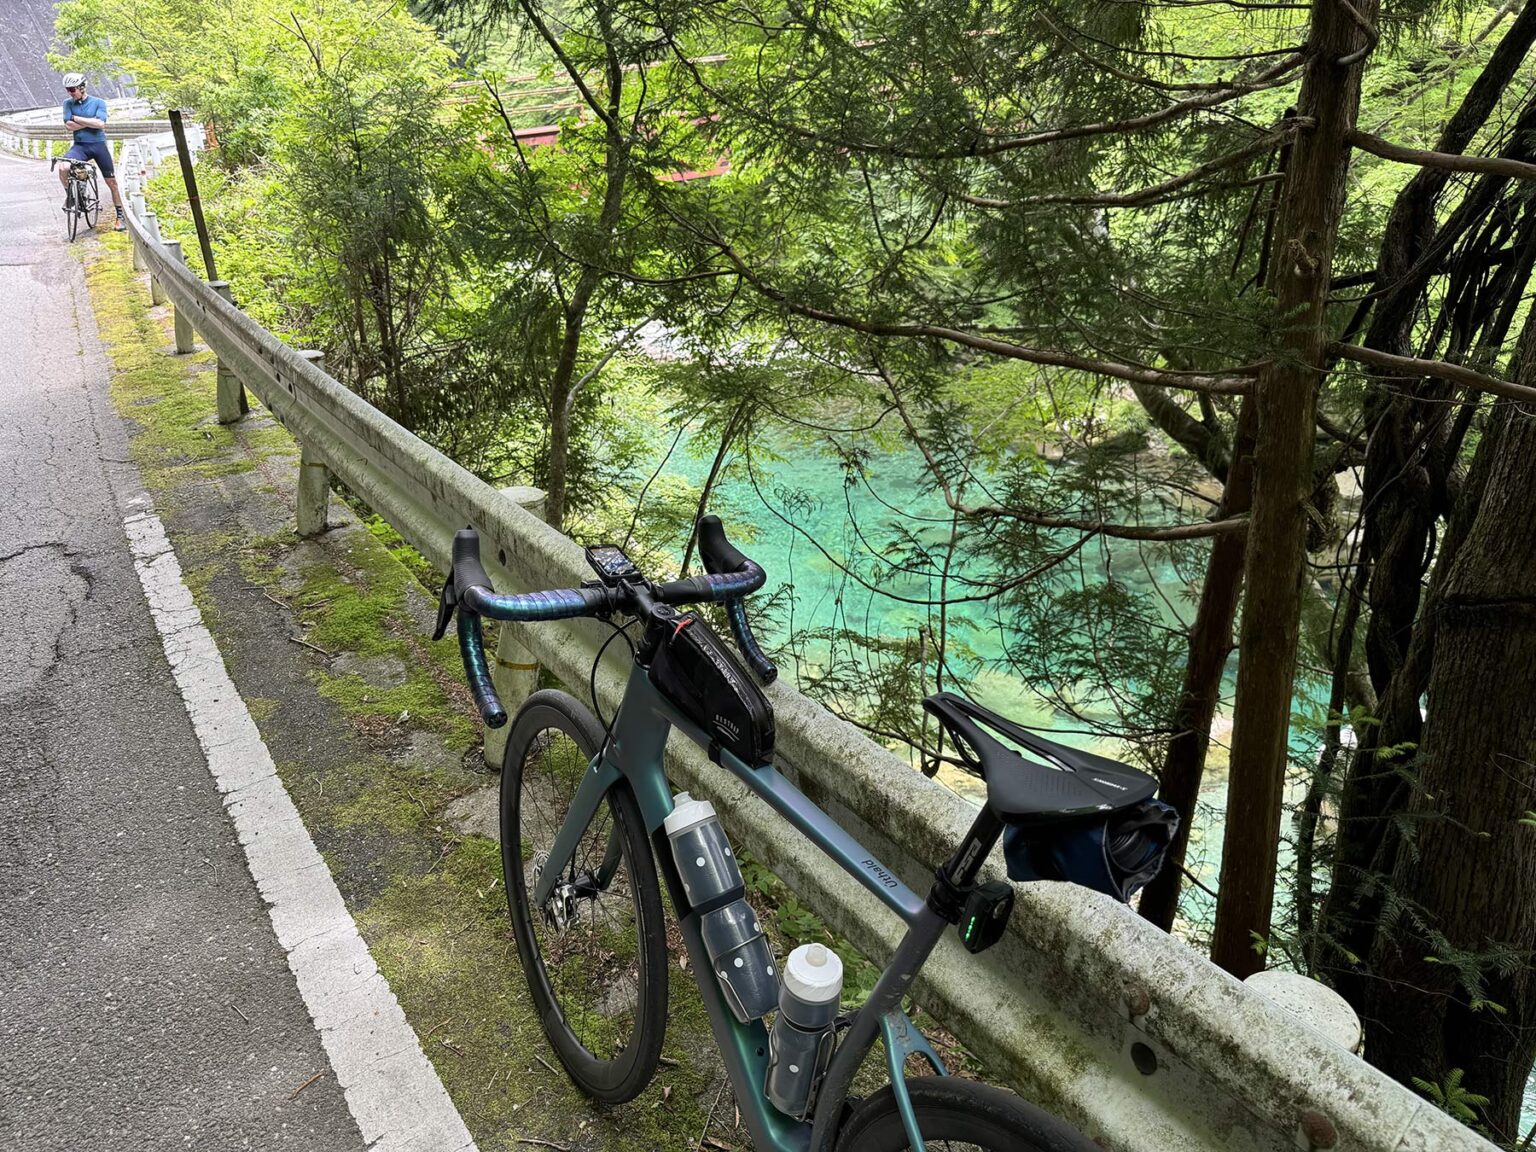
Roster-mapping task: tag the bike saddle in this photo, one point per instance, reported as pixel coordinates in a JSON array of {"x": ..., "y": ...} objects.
[{"x": 1068, "y": 784}]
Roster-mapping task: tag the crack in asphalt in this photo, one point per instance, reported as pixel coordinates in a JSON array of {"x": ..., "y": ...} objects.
[{"x": 26, "y": 548}]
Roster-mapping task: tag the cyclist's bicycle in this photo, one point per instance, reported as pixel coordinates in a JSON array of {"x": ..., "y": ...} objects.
[
  {"x": 588, "y": 819},
  {"x": 83, "y": 193}
]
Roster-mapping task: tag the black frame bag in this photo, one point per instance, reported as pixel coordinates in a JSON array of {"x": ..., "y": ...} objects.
[{"x": 694, "y": 669}]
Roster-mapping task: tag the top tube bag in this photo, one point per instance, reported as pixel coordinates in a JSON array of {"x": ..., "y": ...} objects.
[
  {"x": 696, "y": 671},
  {"x": 1117, "y": 856}
]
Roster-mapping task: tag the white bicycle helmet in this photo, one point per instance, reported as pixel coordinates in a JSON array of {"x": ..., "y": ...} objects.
[{"x": 74, "y": 79}]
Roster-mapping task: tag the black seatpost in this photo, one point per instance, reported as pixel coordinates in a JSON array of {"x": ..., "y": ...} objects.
[{"x": 957, "y": 875}]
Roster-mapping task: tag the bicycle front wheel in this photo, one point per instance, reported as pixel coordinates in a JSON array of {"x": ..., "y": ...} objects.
[
  {"x": 93, "y": 203},
  {"x": 955, "y": 1115},
  {"x": 595, "y": 955},
  {"x": 72, "y": 217}
]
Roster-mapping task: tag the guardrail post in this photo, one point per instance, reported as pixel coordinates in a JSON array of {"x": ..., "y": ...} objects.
[
  {"x": 186, "y": 338},
  {"x": 152, "y": 226},
  {"x": 230, "y": 399},
  {"x": 313, "y": 504},
  {"x": 137, "y": 207},
  {"x": 48, "y": 151},
  {"x": 514, "y": 671}
]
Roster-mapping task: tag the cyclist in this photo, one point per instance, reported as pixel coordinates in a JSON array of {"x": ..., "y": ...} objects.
[{"x": 86, "y": 117}]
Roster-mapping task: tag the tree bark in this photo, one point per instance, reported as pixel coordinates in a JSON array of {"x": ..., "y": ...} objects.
[
  {"x": 1210, "y": 643},
  {"x": 562, "y": 393},
  {"x": 1286, "y": 406},
  {"x": 1200, "y": 439},
  {"x": 1286, "y": 403},
  {"x": 1400, "y": 520},
  {"x": 1471, "y": 874}
]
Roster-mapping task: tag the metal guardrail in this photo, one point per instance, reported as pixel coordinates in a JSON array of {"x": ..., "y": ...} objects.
[
  {"x": 1125, "y": 1031},
  {"x": 38, "y": 133}
]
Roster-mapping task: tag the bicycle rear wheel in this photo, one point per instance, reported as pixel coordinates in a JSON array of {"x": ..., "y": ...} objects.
[
  {"x": 957, "y": 1115},
  {"x": 595, "y": 956}
]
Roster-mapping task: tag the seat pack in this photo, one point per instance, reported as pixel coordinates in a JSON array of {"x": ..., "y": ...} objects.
[
  {"x": 1071, "y": 815},
  {"x": 1117, "y": 856}
]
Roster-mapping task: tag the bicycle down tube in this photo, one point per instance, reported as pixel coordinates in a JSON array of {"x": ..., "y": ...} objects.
[{"x": 635, "y": 753}]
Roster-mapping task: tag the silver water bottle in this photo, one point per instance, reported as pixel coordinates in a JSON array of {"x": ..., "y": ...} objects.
[
  {"x": 738, "y": 950},
  {"x": 801, "y": 1041}
]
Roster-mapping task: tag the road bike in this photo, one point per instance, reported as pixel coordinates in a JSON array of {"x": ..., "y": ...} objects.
[
  {"x": 84, "y": 195},
  {"x": 588, "y": 820}
]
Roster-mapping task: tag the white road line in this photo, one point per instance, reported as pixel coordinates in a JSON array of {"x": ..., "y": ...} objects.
[{"x": 392, "y": 1089}]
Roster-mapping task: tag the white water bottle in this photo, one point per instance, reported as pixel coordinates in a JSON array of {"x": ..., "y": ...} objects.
[{"x": 800, "y": 1044}]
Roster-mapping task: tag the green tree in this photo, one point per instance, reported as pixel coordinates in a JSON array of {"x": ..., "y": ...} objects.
[
  {"x": 917, "y": 189},
  {"x": 343, "y": 165}
]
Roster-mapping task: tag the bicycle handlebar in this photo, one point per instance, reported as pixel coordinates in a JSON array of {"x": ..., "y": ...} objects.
[
  {"x": 729, "y": 577},
  {"x": 723, "y": 558}
]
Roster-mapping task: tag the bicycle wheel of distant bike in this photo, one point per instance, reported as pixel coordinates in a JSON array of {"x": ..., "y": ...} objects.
[
  {"x": 93, "y": 202},
  {"x": 595, "y": 955},
  {"x": 954, "y": 1115}
]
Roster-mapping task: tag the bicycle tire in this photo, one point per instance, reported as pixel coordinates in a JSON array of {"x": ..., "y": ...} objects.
[
  {"x": 72, "y": 218},
  {"x": 93, "y": 205},
  {"x": 552, "y": 740},
  {"x": 954, "y": 1114}
]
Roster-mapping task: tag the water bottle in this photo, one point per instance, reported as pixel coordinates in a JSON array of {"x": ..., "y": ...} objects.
[
  {"x": 738, "y": 950},
  {"x": 800, "y": 1044}
]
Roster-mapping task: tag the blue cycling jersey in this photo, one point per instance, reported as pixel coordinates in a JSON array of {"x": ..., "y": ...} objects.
[{"x": 94, "y": 107}]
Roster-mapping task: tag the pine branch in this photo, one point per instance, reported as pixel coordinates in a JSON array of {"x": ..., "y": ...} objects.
[
  {"x": 1276, "y": 75},
  {"x": 1446, "y": 161},
  {"x": 1201, "y": 440},
  {"x": 1114, "y": 200},
  {"x": 1153, "y": 193},
  {"x": 1412, "y": 367},
  {"x": 1404, "y": 101},
  {"x": 578, "y": 80},
  {"x": 994, "y": 589},
  {"x": 1231, "y": 525},
  {"x": 1090, "y": 528},
  {"x": 1232, "y": 385}
]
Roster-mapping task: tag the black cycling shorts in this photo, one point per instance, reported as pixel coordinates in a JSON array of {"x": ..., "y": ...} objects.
[{"x": 97, "y": 150}]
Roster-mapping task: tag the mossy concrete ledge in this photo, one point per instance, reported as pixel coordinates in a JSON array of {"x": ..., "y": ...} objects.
[{"x": 1128, "y": 1033}]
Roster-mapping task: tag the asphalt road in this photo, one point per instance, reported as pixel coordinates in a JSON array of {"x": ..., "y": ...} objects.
[{"x": 144, "y": 1001}]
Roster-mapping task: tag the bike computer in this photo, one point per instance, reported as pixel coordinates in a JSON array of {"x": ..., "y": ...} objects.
[{"x": 611, "y": 565}]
